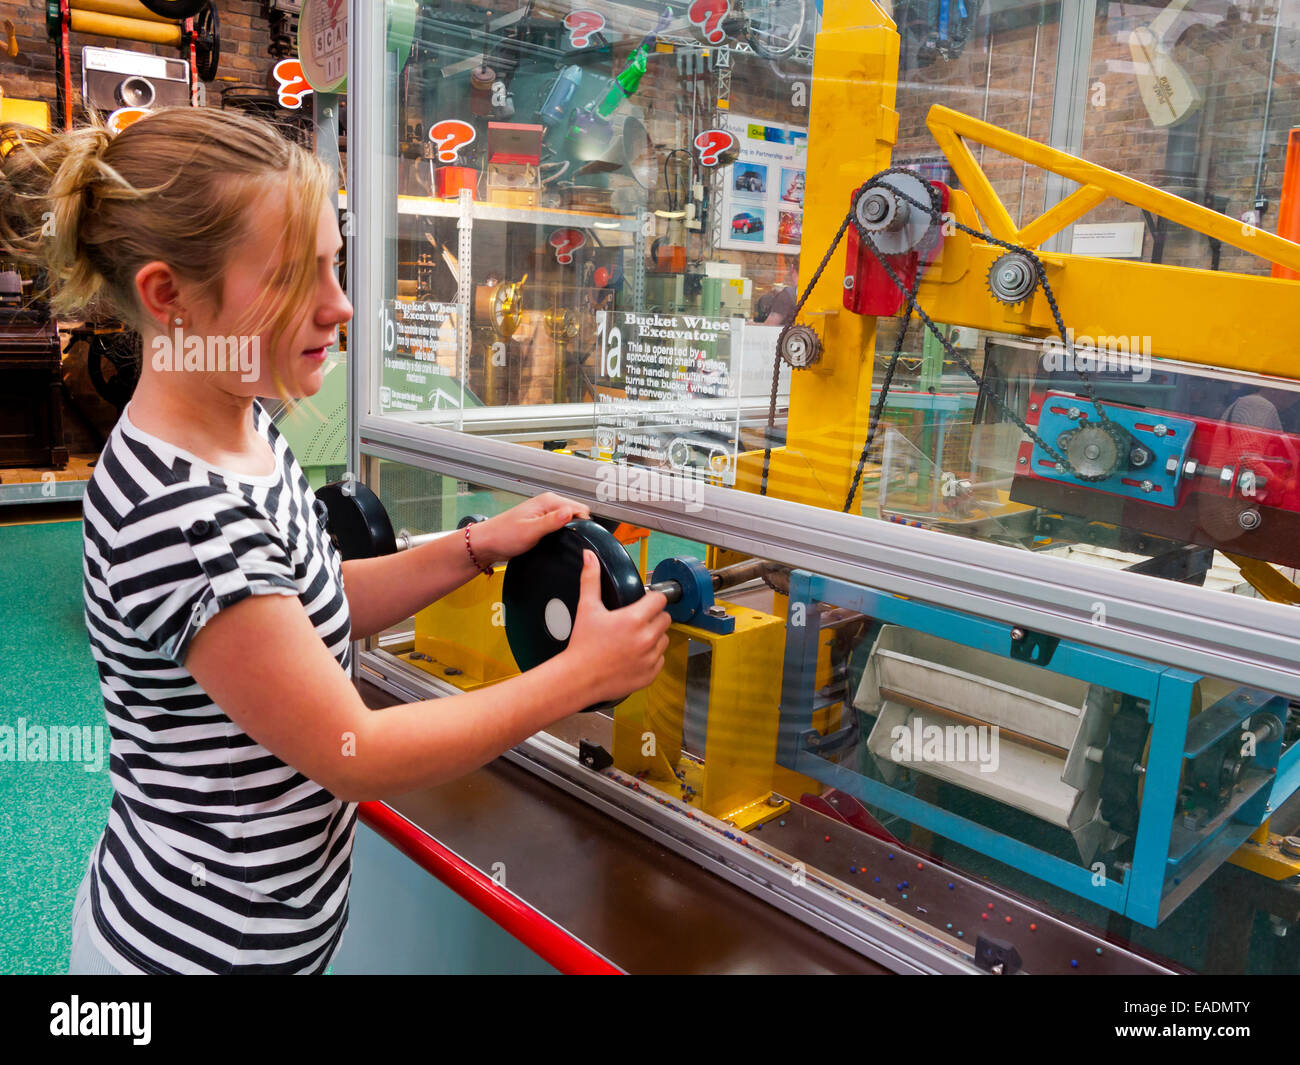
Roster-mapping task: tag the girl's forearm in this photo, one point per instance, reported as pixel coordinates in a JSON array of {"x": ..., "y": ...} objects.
[
  {"x": 383, "y": 591},
  {"x": 424, "y": 744}
]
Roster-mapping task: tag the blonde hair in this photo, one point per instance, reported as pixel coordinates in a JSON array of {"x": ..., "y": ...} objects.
[{"x": 90, "y": 207}]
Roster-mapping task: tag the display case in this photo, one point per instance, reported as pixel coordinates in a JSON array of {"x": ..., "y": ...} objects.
[{"x": 938, "y": 357}]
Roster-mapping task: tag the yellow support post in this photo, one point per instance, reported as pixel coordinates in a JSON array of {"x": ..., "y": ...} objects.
[{"x": 852, "y": 129}]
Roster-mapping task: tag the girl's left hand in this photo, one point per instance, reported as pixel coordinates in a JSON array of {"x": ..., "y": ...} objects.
[{"x": 519, "y": 528}]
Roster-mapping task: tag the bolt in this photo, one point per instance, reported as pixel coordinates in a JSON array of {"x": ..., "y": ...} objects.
[
  {"x": 1148, "y": 486},
  {"x": 1291, "y": 846},
  {"x": 1171, "y": 466},
  {"x": 1033, "y": 406},
  {"x": 452, "y": 671},
  {"x": 848, "y": 282},
  {"x": 1249, "y": 519},
  {"x": 1022, "y": 460},
  {"x": 774, "y": 800},
  {"x": 717, "y": 611},
  {"x": 1092, "y": 451},
  {"x": 1161, "y": 429},
  {"x": 1017, "y": 634},
  {"x": 1060, "y": 467},
  {"x": 1074, "y": 414},
  {"x": 875, "y": 207}
]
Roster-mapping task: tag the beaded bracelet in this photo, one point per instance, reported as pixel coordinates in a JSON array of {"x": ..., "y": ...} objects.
[{"x": 485, "y": 570}]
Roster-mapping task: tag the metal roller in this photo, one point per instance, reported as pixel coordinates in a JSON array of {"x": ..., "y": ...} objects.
[
  {"x": 127, "y": 29},
  {"x": 131, "y": 9}
]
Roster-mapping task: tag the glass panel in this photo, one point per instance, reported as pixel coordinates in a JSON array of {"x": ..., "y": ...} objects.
[
  {"x": 913, "y": 757},
  {"x": 599, "y": 235}
]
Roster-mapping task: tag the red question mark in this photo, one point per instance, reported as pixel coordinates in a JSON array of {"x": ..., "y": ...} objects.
[
  {"x": 712, "y": 143},
  {"x": 708, "y": 15},
  {"x": 582, "y": 25},
  {"x": 292, "y": 82},
  {"x": 566, "y": 242},
  {"x": 451, "y": 135}
]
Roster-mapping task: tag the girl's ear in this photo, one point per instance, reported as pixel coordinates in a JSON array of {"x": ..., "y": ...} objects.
[{"x": 159, "y": 296}]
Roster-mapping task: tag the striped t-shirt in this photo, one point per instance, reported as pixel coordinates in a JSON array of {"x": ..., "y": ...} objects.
[{"x": 217, "y": 857}]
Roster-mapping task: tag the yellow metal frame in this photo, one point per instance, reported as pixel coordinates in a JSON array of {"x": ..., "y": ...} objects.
[
  {"x": 1238, "y": 321},
  {"x": 734, "y": 783},
  {"x": 464, "y": 632}
]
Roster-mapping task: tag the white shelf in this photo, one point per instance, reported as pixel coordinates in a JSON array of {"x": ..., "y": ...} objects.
[{"x": 429, "y": 207}]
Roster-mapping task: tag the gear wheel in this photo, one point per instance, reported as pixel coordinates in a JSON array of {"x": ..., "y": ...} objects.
[
  {"x": 777, "y": 578},
  {"x": 1094, "y": 450},
  {"x": 1121, "y": 765},
  {"x": 895, "y": 224},
  {"x": 799, "y": 346},
  {"x": 1013, "y": 278}
]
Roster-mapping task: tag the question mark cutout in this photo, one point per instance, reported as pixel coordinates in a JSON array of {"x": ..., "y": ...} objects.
[
  {"x": 708, "y": 16},
  {"x": 582, "y": 26},
  {"x": 566, "y": 242},
  {"x": 451, "y": 135},
  {"x": 712, "y": 144},
  {"x": 291, "y": 81}
]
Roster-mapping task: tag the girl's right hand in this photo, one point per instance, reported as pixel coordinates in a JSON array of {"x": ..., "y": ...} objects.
[{"x": 617, "y": 651}]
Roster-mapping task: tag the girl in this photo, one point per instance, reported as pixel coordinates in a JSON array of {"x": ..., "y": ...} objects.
[{"x": 219, "y": 615}]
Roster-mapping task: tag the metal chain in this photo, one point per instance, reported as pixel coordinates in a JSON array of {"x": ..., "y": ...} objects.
[
  {"x": 874, "y": 421},
  {"x": 1039, "y": 268},
  {"x": 957, "y": 357},
  {"x": 936, "y": 218}
]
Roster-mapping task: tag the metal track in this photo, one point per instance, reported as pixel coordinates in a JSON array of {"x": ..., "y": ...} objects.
[{"x": 875, "y": 936}]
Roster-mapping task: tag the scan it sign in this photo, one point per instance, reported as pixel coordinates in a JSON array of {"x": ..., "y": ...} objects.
[{"x": 323, "y": 44}]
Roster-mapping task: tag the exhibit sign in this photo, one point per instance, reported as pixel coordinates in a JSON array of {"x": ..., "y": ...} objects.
[
  {"x": 763, "y": 190},
  {"x": 667, "y": 391}
]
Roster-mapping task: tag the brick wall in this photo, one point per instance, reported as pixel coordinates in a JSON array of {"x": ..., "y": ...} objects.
[{"x": 244, "y": 56}]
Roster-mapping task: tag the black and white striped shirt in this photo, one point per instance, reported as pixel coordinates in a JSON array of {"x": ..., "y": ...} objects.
[{"x": 217, "y": 857}]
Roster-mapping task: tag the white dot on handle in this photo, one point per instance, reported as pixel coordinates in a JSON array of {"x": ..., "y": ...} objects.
[{"x": 559, "y": 622}]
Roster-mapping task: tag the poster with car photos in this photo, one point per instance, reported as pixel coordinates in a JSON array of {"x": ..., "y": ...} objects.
[{"x": 762, "y": 196}]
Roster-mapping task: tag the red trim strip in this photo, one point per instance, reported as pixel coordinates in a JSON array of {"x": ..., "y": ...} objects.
[{"x": 539, "y": 933}]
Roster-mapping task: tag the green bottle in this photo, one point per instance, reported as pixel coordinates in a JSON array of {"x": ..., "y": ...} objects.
[{"x": 625, "y": 83}]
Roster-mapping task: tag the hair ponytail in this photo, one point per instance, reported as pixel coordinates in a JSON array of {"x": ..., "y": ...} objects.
[{"x": 50, "y": 183}]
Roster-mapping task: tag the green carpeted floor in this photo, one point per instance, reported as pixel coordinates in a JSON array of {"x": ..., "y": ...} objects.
[{"x": 51, "y": 812}]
